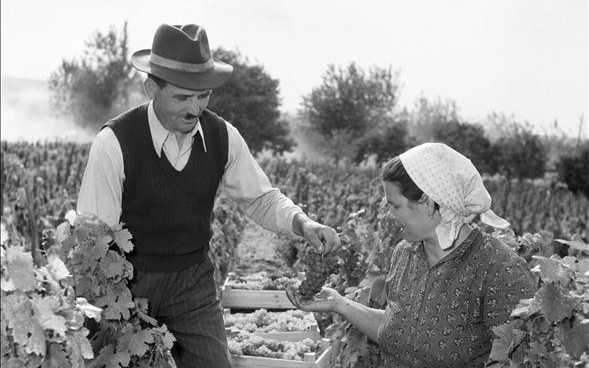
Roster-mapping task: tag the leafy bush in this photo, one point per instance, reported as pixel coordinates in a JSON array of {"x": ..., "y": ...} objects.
[
  {"x": 574, "y": 170},
  {"x": 552, "y": 328}
]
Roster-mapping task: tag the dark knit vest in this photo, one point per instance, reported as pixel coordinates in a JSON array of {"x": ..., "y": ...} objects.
[{"x": 169, "y": 212}]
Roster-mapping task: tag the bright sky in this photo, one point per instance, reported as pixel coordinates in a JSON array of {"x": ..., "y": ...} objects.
[{"x": 527, "y": 58}]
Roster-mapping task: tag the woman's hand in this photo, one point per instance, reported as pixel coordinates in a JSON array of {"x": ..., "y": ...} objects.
[{"x": 327, "y": 300}]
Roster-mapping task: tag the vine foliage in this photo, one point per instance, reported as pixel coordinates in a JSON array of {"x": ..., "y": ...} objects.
[{"x": 77, "y": 310}]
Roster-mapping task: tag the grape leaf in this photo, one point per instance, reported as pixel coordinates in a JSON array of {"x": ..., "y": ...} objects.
[
  {"x": 136, "y": 342},
  {"x": 18, "y": 312},
  {"x": 551, "y": 270},
  {"x": 13, "y": 363},
  {"x": 582, "y": 266},
  {"x": 20, "y": 268},
  {"x": 87, "y": 287},
  {"x": 112, "y": 265},
  {"x": 36, "y": 340},
  {"x": 62, "y": 232},
  {"x": 88, "y": 309},
  {"x": 44, "y": 312},
  {"x": 508, "y": 339},
  {"x": 71, "y": 216},
  {"x": 555, "y": 304},
  {"x": 167, "y": 337},
  {"x": 101, "y": 246},
  {"x": 108, "y": 359},
  {"x": 116, "y": 303},
  {"x": 576, "y": 338},
  {"x": 57, "y": 268},
  {"x": 6, "y": 284},
  {"x": 526, "y": 308},
  {"x": 122, "y": 238}
]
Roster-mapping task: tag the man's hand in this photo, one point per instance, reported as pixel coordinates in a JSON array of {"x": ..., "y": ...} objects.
[{"x": 323, "y": 238}]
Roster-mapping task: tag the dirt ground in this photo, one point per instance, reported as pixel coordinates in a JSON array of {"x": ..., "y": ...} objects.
[{"x": 257, "y": 251}]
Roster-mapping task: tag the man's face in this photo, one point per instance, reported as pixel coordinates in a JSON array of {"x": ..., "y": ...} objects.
[{"x": 178, "y": 109}]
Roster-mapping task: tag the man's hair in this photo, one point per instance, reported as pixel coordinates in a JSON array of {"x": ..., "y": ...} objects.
[
  {"x": 160, "y": 82},
  {"x": 394, "y": 172}
]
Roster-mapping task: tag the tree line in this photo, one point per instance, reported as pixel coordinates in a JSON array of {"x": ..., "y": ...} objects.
[{"x": 352, "y": 115}]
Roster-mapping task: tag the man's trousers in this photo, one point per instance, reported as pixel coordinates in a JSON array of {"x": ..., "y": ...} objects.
[{"x": 186, "y": 301}]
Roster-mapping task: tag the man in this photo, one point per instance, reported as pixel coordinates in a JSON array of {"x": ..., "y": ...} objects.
[{"x": 157, "y": 168}]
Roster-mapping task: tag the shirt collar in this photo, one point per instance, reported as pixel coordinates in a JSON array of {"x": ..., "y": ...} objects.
[
  {"x": 459, "y": 252},
  {"x": 159, "y": 134}
]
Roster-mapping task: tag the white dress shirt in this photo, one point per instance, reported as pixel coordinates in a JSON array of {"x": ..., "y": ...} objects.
[{"x": 244, "y": 181}]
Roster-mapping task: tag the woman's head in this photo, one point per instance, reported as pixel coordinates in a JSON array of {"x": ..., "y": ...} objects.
[
  {"x": 394, "y": 172},
  {"x": 407, "y": 204},
  {"x": 448, "y": 178}
]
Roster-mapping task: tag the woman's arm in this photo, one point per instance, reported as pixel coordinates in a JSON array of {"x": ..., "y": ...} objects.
[{"x": 366, "y": 319}]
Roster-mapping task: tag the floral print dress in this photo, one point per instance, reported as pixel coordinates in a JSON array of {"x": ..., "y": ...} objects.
[{"x": 442, "y": 316}]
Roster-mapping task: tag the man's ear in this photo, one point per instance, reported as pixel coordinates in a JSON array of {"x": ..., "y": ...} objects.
[{"x": 150, "y": 88}]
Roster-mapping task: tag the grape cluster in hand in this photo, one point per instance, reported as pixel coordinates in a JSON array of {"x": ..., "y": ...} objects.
[{"x": 319, "y": 267}]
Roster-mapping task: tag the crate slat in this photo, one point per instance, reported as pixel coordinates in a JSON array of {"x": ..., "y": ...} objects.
[
  {"x": 254, "y": 299},
  {"x": 244, "y": 361}
]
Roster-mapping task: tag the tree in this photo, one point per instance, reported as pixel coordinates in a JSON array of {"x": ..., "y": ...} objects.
[
  {"x": 386, "y": 141},
  {"x": 573, "y": 169},
  {"x": 520, "y": 153},
  {"x": 99, "y": 84},
  {"x": 250, "y": 101},
  {"x": 427, "y": 114},
  {"x": 350, "y": 102},
  {"x": 468, "y": 139}
]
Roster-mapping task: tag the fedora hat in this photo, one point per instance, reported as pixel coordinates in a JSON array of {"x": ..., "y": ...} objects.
[{"x": 180, "y": 55}]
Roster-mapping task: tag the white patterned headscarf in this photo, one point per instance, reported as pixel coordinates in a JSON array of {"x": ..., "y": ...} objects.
[{"x": 452, "y": 181}]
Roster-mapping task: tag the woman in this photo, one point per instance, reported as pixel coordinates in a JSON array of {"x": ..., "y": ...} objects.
[{"x": 449, "y": 283}]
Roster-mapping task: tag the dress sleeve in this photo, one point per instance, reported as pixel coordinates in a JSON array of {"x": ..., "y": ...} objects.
[{"x": 509, "y": 281}]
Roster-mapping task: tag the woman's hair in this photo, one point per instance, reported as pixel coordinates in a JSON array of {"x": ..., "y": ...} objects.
[{"x": 394, "y": 172}]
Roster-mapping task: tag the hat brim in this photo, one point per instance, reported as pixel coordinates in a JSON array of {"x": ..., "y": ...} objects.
[{"x": 213, "y": 78}]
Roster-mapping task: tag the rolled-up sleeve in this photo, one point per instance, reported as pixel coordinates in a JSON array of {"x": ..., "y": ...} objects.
[{"x": 246, "y": 183}]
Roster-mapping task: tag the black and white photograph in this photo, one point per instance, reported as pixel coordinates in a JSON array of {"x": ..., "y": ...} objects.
[{"x": 294, "y": 183}]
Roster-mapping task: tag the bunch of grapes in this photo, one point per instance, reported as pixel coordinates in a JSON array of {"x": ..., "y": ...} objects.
[{"x": 319, "y": 267}]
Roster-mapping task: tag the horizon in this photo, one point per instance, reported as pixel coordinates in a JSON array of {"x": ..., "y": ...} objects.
[{"x": 521, "y": 58}]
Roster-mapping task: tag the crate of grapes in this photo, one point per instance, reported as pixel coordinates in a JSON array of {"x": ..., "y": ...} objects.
[
  {"x": 258, "y": 290},
  {"x": 250, "y": 351},
  {"x": 288, "y": 325}
]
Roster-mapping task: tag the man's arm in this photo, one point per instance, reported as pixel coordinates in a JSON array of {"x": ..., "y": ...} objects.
[
  {"x": 101, "y": 191},
  {"x": 246, "y": 183}
]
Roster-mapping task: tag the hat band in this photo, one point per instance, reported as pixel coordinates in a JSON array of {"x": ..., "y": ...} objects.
[{"x": 178, "y": 65}]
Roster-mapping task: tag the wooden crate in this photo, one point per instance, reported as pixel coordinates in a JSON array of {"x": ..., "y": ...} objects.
[
  {"x": 254, "y": 299},
  {"x": 312, "y": 332},
  {"x": 311, "y": 360}
]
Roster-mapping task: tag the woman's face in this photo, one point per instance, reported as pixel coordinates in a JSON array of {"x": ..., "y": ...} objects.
[{"x": 414, "y": 217}]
